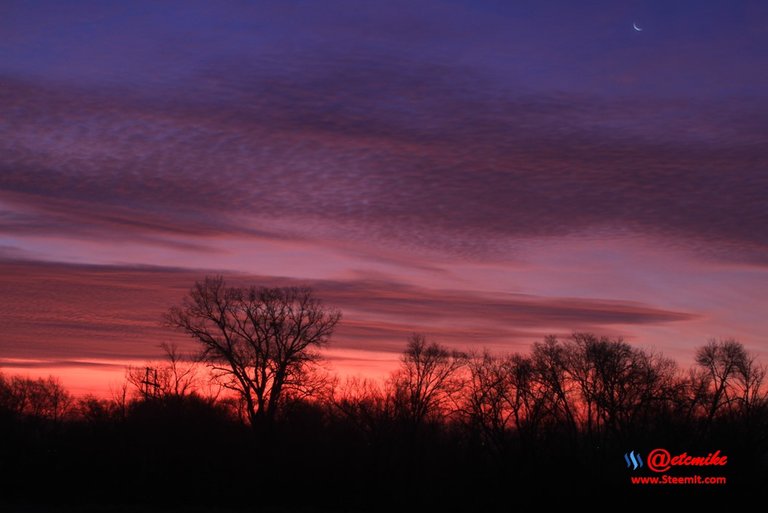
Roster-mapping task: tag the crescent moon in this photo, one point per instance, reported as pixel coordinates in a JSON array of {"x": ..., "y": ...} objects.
[{"x": 634, "y": 26}]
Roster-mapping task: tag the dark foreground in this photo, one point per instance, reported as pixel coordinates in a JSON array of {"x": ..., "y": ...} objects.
[
  {"x": 570, "y": 425},
  {"x": 186, "y": 455}
]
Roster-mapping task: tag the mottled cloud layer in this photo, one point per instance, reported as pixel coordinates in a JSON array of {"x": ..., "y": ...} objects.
[{"x": 381, "y": 151}]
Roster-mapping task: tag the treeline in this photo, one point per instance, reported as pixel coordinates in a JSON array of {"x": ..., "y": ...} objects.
[
  {"x": 592, "y": 386},
  {"x": 444, "y": 428},
  {"x": 251, "y": 423}
]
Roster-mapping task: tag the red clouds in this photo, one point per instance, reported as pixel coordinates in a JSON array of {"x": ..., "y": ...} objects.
[{"x": 71, "y": 313}]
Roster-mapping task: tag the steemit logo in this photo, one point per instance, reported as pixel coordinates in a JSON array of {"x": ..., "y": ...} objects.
[{"x": 633, "y": 460}]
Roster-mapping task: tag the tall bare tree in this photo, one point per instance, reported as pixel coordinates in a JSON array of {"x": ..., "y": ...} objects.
[
  {"x": 550, "y": 360},
  {"x": 489, "y": 402},
  {"x": 428, "y": 379},
  {"x": 261, "y": 342},
  {"x": 730, "y": 377}
]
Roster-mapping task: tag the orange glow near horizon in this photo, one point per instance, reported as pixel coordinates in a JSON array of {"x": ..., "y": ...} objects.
[{"x": 104, "y": 379}]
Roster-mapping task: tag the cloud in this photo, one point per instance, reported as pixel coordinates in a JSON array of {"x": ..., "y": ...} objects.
[
  {"x": 16, "y": 363},
  {"x": 377, "y": 150},
  {"x": 75, "y": 312}
]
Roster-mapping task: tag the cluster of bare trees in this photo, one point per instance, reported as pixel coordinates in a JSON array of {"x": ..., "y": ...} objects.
[
  {"x": 584, "y": 386},
  {"x": 35, "y": 398},
  {"x": 261, "y": 345}
]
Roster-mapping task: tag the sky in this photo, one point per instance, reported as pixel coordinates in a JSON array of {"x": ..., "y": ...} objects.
[{"x": 483, "y": 172}]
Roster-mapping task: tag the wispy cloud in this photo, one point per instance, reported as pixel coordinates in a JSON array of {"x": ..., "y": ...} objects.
[
  {"x": 76, "y": 312},
  {"x": 22, "y": 363}
]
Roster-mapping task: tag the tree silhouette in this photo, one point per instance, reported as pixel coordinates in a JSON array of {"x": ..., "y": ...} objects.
[
  {"x": 176, "y": 377},
  {"x": 491, "y": 404},
  {"x": 550, "y": 360},
  {"x": 260, "y": 342},
  {"x": 446, "y": 431},
  {"x": 364, "y": 404},
  {"x": 427, "y": 381},
  {"x": 39, "y": 398},
  {"x": 730, "y": 378},
  {"x": 620, "y": 386}
]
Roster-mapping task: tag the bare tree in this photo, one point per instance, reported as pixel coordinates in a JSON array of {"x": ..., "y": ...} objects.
[
  {"x": 490, "y": 397},
  {"x": 620, "y": 386},
  {"x": 95, "y": 411},
  {"x": 751, "y": 378},
  {"x": 365, "y": 404},
  {"x": 550, "y": 360},
  {"x": 181, "y": 372},
  {"x": 40, "y": 398},
  {"x": 504, "y": 397},
  {"x": 176, "y": 377},
  {"x": 428, "y": 379},
  {"x": 731, "y": 378},
  {"x": 260, "y": 342},
  {"x": 119, "y": 397},
  {"x": 530, "y": 400}
]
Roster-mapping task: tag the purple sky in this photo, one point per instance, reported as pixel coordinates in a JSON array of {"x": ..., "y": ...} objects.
[{"x": 485, "y": 172}]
